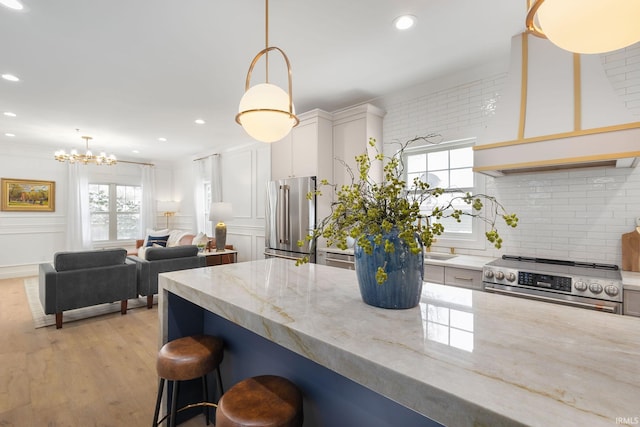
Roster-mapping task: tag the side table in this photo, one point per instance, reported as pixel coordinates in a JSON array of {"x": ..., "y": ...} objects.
[{"x": 228, "y": 256}]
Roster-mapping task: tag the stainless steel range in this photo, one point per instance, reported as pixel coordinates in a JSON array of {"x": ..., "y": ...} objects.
[{"x": 580, "y": 284}]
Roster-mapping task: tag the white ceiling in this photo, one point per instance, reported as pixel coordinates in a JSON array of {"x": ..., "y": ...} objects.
[{"x": 127, "y": 72}]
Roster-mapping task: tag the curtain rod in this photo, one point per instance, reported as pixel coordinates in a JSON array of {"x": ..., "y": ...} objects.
[
  {"x": 135, "y": 163},
  {"x": 206, "y": 157}
]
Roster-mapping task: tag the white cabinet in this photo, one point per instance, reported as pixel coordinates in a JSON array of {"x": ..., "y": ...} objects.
[
  {"x": 453, "y": 276},
  {"x": 631, "y": 302},
  {"x": 307, "y": 150},
  {"x": 352, "y": 129}
]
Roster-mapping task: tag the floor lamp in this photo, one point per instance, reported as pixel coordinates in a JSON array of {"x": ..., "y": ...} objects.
[{"x": 168, "y": 208}]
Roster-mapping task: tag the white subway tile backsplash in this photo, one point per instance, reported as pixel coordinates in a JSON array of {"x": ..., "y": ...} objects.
[{"x": 578, "y": 214}]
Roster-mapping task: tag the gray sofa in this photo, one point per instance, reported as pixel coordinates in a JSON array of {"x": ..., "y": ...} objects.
[
  {"x": 161, "y": 260},
  {"x": 86, "y": 278}
]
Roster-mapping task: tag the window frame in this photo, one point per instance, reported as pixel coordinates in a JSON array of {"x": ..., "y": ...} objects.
[
  {"x": 476, "y": 239},
  {"x": 113, "y": 213}
]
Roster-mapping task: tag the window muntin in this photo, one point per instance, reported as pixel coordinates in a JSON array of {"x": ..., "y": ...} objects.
[{"x": 114, "y": 211}]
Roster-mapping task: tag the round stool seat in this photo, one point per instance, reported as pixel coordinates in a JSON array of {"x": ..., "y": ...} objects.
[
  {"x": 189, "y": 357},
  {"x": 266, "y": 400}
]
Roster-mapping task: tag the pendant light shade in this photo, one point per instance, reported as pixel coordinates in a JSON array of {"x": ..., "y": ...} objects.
[
  {"x": 586, "y": 26},
  {"x": 266, "y": 111}
]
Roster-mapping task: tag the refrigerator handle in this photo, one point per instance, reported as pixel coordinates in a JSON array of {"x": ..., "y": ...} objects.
[{"x": 283, "y": 215}]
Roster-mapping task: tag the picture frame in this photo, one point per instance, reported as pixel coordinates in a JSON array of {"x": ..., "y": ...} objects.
[{"x": 27, "y": 195}]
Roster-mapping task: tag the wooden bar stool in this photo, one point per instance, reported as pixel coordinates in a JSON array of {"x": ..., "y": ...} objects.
[
  {"x": 186, "y": 359},
  {"x": 264, "y": 401}
]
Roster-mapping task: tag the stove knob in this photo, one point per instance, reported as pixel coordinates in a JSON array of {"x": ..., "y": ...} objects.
[
  {"x": 499, "y": 275},
  {"x": 511, "y": 277},
  {"x": 581, "y": 286},
  {"x": 611, "y": 290},
  {"x": 488, "y": 274},
  {"x": 596, "y": 288}
]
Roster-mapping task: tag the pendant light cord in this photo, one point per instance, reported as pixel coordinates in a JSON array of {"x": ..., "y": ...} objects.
[{"x": 266, "y": 39}]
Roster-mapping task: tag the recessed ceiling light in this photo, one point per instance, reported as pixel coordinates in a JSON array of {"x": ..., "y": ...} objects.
[
  {"x": 10, "y": 77},
  {"x": 9, "y": 114},
  {"x": 12, "y": 4},
  {"x": 9, "y": 135},
  {"x": 404, "y": 22},
  {"x": 162, "y": 139},
  {"x": 135, "y": 151},
  {"x": 200, "y": 121}
]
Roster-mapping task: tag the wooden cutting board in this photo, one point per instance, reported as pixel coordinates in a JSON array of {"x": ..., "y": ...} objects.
[{"x": 631, "y": 251}]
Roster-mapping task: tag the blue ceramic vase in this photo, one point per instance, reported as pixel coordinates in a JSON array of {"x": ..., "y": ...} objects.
[{"x": 405, "y": 272}]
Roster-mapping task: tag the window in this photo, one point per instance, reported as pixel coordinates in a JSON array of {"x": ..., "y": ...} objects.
[
  {"x": 115, "y": 211},
  {"x": 449, "y": 166}
]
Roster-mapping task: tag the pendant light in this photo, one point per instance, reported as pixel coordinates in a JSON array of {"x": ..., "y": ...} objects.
[
  {"x": 585, "y": 26},
  {"x": 266, "y": 111}
]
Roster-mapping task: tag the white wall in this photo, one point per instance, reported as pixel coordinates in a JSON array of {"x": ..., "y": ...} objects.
[{"x": 577, "y": 214}]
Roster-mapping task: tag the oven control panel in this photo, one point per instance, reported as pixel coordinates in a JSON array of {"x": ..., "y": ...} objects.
[
  {"x": 545, "y": 281},
  {"x": 591, "y": 287}
]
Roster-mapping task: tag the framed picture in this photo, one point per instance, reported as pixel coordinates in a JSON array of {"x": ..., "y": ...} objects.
[{"x": 27, "y": 195}]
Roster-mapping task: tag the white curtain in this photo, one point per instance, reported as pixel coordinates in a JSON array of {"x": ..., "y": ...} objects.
[
  {"x": 201, "y": 174},
  {"x": 215, "y": 178},
  {"x": 148, "y": 209},
  {"x": 78, "y": 217}
]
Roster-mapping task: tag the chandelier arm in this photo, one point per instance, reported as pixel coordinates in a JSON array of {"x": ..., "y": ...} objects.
[
  {"x": 289, "y": 74},
  {"x": 530, "y": 22}
]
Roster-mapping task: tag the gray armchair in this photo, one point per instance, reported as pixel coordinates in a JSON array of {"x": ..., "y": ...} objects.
[
  {"x": 161, "y": 260},
  {"x": 86, "y": 278}
]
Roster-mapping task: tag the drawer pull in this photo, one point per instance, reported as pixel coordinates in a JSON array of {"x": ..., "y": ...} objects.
[{"x": 467, "y": 279}]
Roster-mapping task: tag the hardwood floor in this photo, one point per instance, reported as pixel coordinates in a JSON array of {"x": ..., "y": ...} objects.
[{"x": 93, "y": 372}]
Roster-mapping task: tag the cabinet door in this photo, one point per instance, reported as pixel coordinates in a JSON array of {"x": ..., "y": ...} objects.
[
  {"x": 631, "y": 304},
  {"x": 281, "y": 158},
  {"x": 349, "y": 140},
  {"x": 304, "y": 149},
  {"x": 463, "y": 277},
  {"x": 434, "y": 274}
]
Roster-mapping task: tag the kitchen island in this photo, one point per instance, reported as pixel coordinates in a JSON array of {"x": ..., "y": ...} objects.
[{"x": 461, "y": 358}]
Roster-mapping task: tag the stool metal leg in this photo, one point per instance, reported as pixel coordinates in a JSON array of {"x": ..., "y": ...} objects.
[
  {"x": 174, "y": 404},
  {"x": 205, "y": 397},
  {"x": 158, "y": 400}
]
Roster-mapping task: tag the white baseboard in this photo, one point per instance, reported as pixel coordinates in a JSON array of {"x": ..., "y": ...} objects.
[{"x": 12, "y": 271}]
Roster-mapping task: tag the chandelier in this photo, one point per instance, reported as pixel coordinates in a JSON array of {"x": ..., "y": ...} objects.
[
  {"x": 585, "y": 26},
  {"x": 87, "y": 157},
  {"x": 266, "y": 111}
]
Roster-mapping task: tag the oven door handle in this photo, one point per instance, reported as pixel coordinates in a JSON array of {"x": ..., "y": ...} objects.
[
  {"x": 343, "y": 261},
  {"x": 606, "y": 308}
]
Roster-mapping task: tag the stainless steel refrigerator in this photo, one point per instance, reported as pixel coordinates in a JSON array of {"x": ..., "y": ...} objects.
[{"x": 290, "y": 217}]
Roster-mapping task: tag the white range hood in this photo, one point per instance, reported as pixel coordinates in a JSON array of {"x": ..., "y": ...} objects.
[{"x": 558, "y": 111}]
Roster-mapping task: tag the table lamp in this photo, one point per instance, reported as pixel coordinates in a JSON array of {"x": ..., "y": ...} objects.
[{"x": 220, "y": 211}]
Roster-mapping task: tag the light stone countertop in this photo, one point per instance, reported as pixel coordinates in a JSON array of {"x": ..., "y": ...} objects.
[
  {"x": 461, "y": 357},
  {"x": 631, "y": 280}
]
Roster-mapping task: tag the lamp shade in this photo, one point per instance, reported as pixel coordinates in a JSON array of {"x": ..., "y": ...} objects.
[
  {"x": 264, "y": 113},
  {"x": 220, "y": 211},
  {"x": 590, "y": 26}
]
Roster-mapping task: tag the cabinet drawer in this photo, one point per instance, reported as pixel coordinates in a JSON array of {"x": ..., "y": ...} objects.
[
  {"x": 463, "y": 277},
  {"x": 631, "y": 302},
  {"x": 434, "y": 273}
]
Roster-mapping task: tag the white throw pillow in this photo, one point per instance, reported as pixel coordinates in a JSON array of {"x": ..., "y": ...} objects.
[
  {"x": 199, "y": 239},
  {"x": 175, "y": 236}
]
